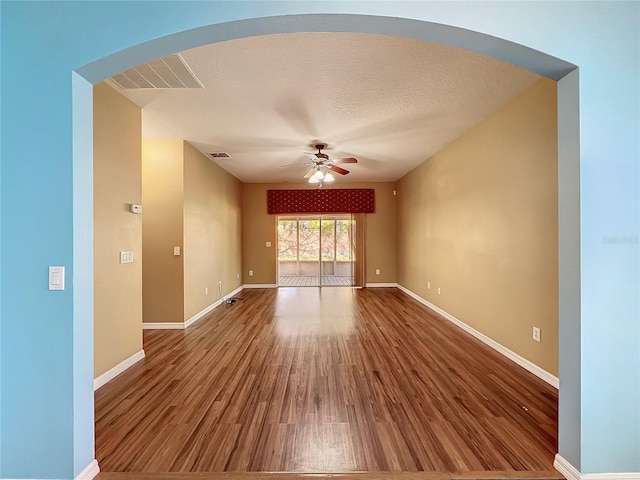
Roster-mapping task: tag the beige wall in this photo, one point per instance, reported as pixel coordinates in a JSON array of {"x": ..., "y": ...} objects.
[
  {"x": 212, "y": 231},
  {"x": 117, "y": 183},
  {"x": 162, "y": 229},
  {"x": 260, "y": 227},
  {"x": 380, "y": 236},
  {"x": 479, "y": 220}
]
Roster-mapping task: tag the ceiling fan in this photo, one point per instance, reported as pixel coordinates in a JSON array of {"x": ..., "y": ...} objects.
[{"x": 321, "y": 166}]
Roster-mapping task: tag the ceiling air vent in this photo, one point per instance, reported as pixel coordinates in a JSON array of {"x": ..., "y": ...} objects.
[
  {"x": 164, "y": 72},
  {"x": 217, "y": 155}
]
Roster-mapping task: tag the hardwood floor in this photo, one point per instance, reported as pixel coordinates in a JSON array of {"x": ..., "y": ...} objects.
[
  {"x": 325, "y": 380},
  {"x": 511, "y": 475}
]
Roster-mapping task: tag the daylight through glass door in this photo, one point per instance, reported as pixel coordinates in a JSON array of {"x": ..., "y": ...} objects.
[{"x": 316, "y": 250}]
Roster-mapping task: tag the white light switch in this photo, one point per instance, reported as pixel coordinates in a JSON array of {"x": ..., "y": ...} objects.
[
  {"x": 56, "y": 278},
  {"x": 126, "y": 256},
  {"x": 176, "y": 251}
]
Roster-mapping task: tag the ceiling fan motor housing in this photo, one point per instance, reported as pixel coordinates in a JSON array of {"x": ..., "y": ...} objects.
[{"x": 320, "y": 146}]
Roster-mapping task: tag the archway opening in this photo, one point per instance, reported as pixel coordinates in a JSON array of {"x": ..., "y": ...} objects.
[{"x": 536, "y": 61}]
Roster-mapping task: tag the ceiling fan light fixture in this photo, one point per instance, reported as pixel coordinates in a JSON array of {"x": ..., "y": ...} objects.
[{"x": 321, "y": 168}]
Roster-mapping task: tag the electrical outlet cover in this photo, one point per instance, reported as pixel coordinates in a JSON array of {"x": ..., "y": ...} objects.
[{"x": 536, "y": 334}]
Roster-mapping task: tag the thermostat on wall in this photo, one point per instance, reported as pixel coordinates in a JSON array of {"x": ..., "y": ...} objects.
[{"x": 133, "y": 208}]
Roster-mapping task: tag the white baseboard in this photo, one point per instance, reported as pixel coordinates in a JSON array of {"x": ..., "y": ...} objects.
[
  {"x": 260, "y": 285},
  {"x": 117, "y": 370},
  {"x": 190, "y": 321},
  {"x": 523, "y": 362},
  {"x": 375, "y": 285},
  {"x": 235, "y": 292},
  {"x": 200, "y": 314},
  {"x": 203, "y": 312},
  {"x": 572, "y": 473},
  {"x": 90, "y": 472},
  {"x": 163, "y": 326},
  {"x": 565, "y": 468},
  {"x": 610, "y": 476}
]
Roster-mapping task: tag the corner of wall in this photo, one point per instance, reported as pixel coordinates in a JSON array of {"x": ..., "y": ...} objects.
[
  {"x": 212, "y": 232},
  {"x": 163, "y": 219},
  {"x": 480, "y": 238},
  {"x": 117, "y": 183}
]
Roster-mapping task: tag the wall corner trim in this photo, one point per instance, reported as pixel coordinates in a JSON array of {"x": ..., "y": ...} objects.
[
  {"x": 202, "y": 313},
  {"x": 163, "y": 326},
  {"x": 115, "y": 371},
  {"x": 260, "y": 285},
  {"x": 572, "y": 473},
  {"x": 191, "y": 320},
  {"x": 90, "y": 472},
  {"x": 511, "y": 355},
  {"x": 609, "y": 476},
  {"x": 565, "y": 468}
]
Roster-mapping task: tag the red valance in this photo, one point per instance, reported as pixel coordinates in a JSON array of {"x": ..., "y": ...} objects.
[{"x": 335, "y": 200}]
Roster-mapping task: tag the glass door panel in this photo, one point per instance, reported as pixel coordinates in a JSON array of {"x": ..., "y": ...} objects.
[
  {"x": 288, "y": 265},
  {"x": 309, "y": 250},
  {"x": 316, "y": 250},
  {"x": 345, "y": 249},
  {"x": 328, "y": 243}
]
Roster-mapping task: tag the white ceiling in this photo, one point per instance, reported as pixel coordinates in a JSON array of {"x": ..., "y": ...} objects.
[{"x": 390, "y": 102}]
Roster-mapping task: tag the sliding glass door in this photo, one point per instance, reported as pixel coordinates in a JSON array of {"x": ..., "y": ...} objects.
[{"x": 316, "y": 250}]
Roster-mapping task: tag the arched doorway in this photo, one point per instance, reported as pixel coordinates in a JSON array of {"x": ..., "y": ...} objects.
[{"x": 527, "y": 58}]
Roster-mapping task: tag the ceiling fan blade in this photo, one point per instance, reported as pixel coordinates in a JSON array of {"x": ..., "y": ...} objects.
[
  {"x": 344, "y": 160},
  {"x": 309, "y": 173},
  {"x": 339, "y": 170}
]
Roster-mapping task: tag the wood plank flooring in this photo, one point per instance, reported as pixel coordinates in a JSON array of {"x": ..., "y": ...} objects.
[
  {"x": 325, "y": 380},
  {"x": 512, "y": 475}
]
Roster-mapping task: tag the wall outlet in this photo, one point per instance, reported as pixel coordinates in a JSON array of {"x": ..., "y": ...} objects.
[
  {"x": 428, "y": 285},
  {"x": 536, "y": 334},
  {"x": 206, "y": 291},
  {"x": 438, "y": 290},
  {"x": 251, "y": 273},
  {"x": 237, "y": 275},
  {"x": 176, "y": 251},
  {"x": 267, "y": 244},
  {"x": 377, "y": 271}
]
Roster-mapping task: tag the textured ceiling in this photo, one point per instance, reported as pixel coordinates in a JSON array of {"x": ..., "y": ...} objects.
[{"x": 390, "y": 102}]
